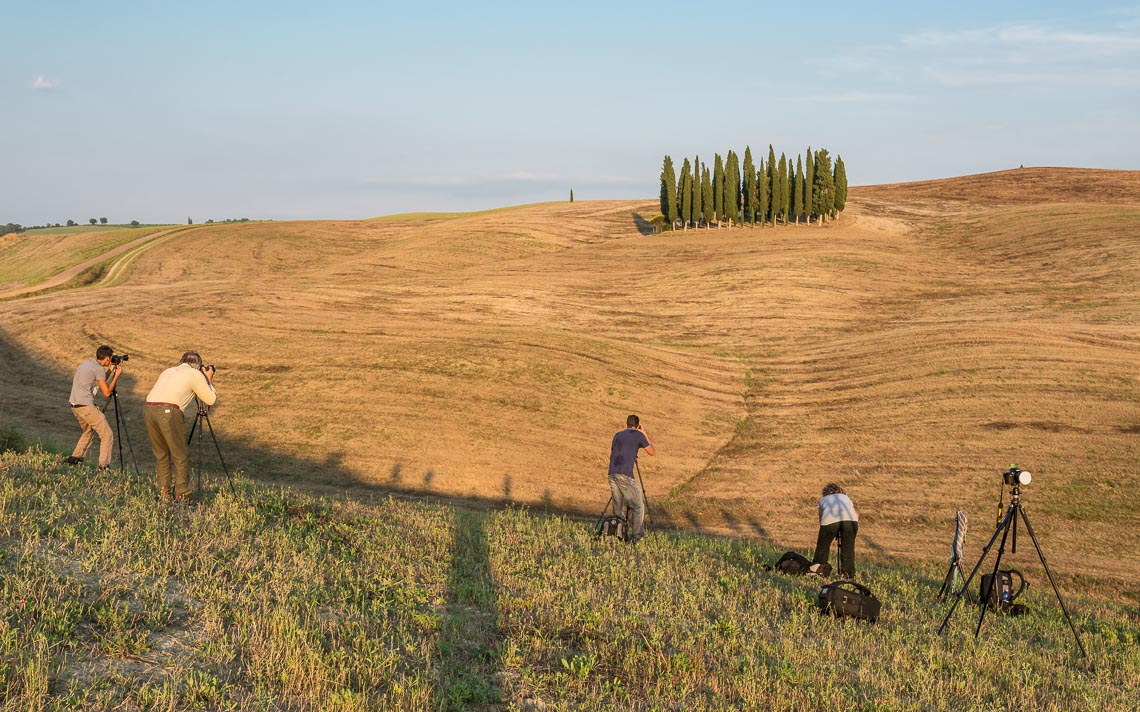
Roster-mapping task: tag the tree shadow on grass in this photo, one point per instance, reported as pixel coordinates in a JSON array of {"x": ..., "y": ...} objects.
[
  {"x": 468, "y": 674},
  {"x": 643, "y": 226}
]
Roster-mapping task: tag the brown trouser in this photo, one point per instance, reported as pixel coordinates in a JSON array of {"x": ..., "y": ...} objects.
[
  {"x": 167, "y": 433},
  {"x": 94, "y": 423}
]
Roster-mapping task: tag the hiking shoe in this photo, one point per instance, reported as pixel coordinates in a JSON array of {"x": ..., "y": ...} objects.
[
  {"x": 103, "y": 468},
  {"x": 73, "y": 460}
]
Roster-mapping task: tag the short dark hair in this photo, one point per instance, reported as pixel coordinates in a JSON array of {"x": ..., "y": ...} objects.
[
  {"x": 103, "y": 352},
  {"x": 192, "y": 358},
  {"x": 833, "y": 488},
  {"x": 632, "y": 421}
]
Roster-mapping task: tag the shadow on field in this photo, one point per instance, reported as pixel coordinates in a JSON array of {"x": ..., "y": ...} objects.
[
  {"x": 643, "y": 226},
  {"x": 469, "y": 647},
  {"x": 33, "y": 399},
  {"x": 33, "y": 409}
]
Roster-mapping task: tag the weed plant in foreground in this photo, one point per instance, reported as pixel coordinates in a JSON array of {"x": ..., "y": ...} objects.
[{"x": 275, "y": 600}]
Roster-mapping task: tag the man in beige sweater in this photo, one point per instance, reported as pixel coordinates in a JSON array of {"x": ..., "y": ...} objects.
[{"x": 170, "y": 397}]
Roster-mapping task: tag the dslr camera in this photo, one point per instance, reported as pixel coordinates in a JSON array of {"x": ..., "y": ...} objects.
[
  {"x": 210, "y": 367},
  {"x": 119, "y": 358},
  {"x": 1015, "y": 476}
]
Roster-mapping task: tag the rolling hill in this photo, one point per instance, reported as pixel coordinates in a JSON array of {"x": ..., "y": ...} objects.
[{"x": 912, "y": 349}]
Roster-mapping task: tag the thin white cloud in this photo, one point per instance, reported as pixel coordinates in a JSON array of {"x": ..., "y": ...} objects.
[
  {"x": 851, "y": 97},
  {"x": 42, "y": 83}
]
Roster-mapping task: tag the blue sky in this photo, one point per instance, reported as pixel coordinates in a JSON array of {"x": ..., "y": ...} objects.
[{"x": 296, "y": 110}]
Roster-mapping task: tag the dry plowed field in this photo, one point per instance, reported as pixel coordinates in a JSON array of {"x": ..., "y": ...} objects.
[{"x": 912, "y": 350}]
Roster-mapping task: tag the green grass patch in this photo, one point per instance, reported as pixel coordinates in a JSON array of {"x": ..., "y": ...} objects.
[{"x": 277, "y": 600}]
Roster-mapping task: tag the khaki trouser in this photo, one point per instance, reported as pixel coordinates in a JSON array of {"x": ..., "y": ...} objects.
[
  {"x": 627, "y": 493},
  {"x": 94, "y": 423},
  {"x": 167, "y": 433}
]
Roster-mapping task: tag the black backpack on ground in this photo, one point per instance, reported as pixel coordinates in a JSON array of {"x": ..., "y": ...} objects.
[
  {"x": 1000, "y": 594},
  {"x": 847, "y": 599},
  {"x": 795, "y": 564},
  {"x": 614, "y": 526}
]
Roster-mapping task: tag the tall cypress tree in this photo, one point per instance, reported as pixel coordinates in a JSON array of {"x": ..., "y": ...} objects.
[
  {"x": 773, "y": 184},
  {"x": 840, "y": 184},
  {"x": 718, "y": 189},
  {"x": 798, "y": 189},
  {"x": 762, "y": 199},
  {"x": 823, "y": 192},
  {"x": 685, "y": 194},
  {"x": 707, "y": 195},
  {"x": 698, "y": 194},
  {"x": 785, "y": 191},
  {"x": 750, "y": 193},
  {"x": 809, "y": 177},
  {"x": 669, "y": 192},
  {"x": 732, "y": 188}
]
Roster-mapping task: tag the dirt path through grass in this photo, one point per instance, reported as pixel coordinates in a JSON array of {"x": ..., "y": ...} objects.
[{"x": 72, "y": 272}]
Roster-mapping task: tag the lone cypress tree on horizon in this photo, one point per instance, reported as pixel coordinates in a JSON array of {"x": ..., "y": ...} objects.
[{"x": 668, "y": 192}]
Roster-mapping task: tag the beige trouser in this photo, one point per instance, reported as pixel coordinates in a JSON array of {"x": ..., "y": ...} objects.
[
  {"x": 167, "y": 433},
  {"x": 93, "y": 423}
]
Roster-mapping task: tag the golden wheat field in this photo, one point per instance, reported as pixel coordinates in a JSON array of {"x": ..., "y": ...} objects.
[{"x": 933, "y": 335}]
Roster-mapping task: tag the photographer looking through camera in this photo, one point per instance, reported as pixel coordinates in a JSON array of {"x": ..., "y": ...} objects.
[
  {"x": 89, "y": 376},
  {"x": 171, "y": 395},
  {"x": 624, "y": 486}
]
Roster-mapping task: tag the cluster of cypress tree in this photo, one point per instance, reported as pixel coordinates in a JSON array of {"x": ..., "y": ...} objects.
[{"x": 774, "y": 191}]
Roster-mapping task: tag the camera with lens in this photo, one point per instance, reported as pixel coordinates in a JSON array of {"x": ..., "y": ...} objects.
[
  {"x": 210, "y": 367},
  {"x": 1016, "y": 476},
  {"x": 119, "y": 358}
]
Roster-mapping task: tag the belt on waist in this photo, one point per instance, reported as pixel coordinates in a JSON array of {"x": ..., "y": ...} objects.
[
  {"x": 165, "y": 405},
  {"x": 78, "y": 405}
]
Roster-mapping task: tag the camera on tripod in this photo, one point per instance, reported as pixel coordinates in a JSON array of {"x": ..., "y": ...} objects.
[
  {"x": 1015, "y": 476},
  {"x": 119, "y": 358}
]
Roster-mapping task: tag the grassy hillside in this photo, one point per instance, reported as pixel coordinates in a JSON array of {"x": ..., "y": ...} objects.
[
  {"x": 27, "y": 258},
  {"x": 278, "y": 600},
  {"x": 912, "y": 350}
]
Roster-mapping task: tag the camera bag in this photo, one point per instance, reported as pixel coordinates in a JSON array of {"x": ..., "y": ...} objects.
[
  {"x": 847, "y": 599},
  {"x": 999, "y": 594},
  {"x": 793, "y": 563},
  {"x": 612, "y": 525}
]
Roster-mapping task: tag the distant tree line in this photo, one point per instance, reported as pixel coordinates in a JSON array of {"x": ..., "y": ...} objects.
[
  {"x": 774, "y": 191},
  {"x": 15, "y": 227}
]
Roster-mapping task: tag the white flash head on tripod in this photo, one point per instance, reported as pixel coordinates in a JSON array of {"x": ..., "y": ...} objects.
[{"x": 1016, "y": 476}]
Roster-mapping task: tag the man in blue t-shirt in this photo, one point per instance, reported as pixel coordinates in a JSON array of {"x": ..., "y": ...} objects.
[{"x": 623, "y": 486}]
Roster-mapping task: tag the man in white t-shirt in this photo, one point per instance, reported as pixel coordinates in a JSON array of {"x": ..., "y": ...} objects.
[
  {"x": 89, "y": 377},
  {"x": 837, "y": 517},
  {"x": 170, "y": 397}
]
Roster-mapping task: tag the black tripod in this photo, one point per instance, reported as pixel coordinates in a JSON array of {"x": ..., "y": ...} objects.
[
  {"x": 120, "y": 430},
  {"x": 203, "y": 416},
  {"x": 1008, "y": 523},
  {"x": 625, "y": 515}
]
